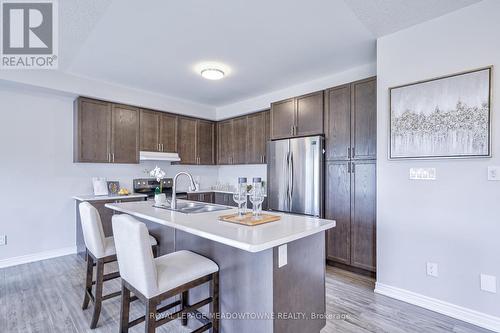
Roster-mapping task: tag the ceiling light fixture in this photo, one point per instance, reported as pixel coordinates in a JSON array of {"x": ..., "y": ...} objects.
[{"x": 212, "y": 73}]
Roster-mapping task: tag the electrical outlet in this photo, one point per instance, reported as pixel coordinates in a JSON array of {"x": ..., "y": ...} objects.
[
  {"x": 493, "y": 173},
  {"x": 282, "y": 256},
  {"x": 489, "y": 283},
  {"x": 3, "y": 240},
  {"x": 432, "y": 269}
]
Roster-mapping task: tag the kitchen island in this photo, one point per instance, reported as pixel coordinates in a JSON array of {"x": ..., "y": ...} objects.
[{"x": 272, "y": 276}]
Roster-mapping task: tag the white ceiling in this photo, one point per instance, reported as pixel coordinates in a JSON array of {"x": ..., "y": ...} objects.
[
  {"x": 269, "y": 45},
  {"x": 383, "y": 17}
]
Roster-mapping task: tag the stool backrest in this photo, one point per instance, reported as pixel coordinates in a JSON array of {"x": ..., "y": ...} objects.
[
  {"x": 135, "y": 256},
  {"x": 93, "y": 234}
]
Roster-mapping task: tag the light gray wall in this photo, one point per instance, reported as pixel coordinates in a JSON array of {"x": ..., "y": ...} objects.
[
  {"x": 264, "y": 101},
  {"x": 455, "y": 220}
]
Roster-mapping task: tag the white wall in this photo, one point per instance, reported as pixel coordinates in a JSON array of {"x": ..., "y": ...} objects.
[
  {"x": 72, "y": 85},
  {"x": 263, "y": 102},
  {"x": 228, "y": 174},
  {"x": 453, "y": 221},
  {"x": 38, "y": 175}
]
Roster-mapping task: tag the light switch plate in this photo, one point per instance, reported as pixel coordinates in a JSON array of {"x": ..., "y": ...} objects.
[
  {"x": 3, "y": 240},
  {"x": 282, "y": 256},
  {"x": 494, "y": 173},
  {"x": 489, "y": 283},
  {"x": 423, "y": 173}
]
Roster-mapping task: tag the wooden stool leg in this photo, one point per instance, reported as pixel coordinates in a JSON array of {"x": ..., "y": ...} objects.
[
  {"x": 184, "y": 304},
  {"x": 150, "y": 325},
  {"x": 125, "y": 309},
  {"x": 88, "y": 281},
  {"x": 98, "y": 293},
  {"x": 214, "y": 306}
]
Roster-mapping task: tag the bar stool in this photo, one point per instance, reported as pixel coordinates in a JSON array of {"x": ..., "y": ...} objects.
[
  {"x": 100, "y": 250},
  {"x": 154, "y": 280}
]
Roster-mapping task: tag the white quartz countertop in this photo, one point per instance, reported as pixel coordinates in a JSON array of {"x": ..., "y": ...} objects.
[
  {"x": 92, "y": 197},
  {"x": 207, "y": 225}
]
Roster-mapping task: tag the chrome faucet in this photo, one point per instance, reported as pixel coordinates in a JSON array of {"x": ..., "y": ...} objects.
[{"x": 173, "y": 204}]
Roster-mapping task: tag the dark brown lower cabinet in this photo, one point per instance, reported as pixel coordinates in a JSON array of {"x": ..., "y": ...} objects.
[
  {"x": 350, "y": 199},
  {"x": 207, "y": 197},
  {"x": 224, "y": 199}
]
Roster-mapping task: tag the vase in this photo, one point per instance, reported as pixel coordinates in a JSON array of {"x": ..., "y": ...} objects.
[{"x": 160, "y": 199}]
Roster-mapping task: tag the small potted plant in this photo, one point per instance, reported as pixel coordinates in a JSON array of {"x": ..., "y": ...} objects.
[{"x": 159, "y": 174}]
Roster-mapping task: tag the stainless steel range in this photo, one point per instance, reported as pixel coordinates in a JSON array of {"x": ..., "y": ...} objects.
[{"x": 148, "y": 186}]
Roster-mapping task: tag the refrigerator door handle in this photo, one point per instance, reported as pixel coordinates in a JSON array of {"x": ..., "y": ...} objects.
[
  {"x": 285, "y": 171},
  {"x": 290, "y": 180}
]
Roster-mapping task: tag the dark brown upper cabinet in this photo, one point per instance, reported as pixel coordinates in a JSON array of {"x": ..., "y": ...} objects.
[
  {"x": 125, "y": 134},
  {"x": 283, "y": 119},
  {"x": 168, "y": 133},
  {"x": 338, "y": 123},
  {"x": 205, "y": 141},
  {"x": 105, "y": 132},
  {"x": 150, "y": 131},
  {"x": 299, "y": 116},
  {"x": 257, "y": 136},
  {"x": 309, "y": 114},
  {"x": 158, "y": 131},
  {"x": 187, "y": 140},
  {"x": 196, "y": 139},
  {"x": 242, "y": 140},
  {"x": 92, "y": 131},
  {"x": 351, "y": 121},
  {"x": 364, "y": 119},
  {"x": 225, "y": 142},
  {"x": 239, "y": 140}
]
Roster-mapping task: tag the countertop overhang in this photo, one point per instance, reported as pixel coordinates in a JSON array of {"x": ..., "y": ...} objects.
[{"x": 207, "y": 225}]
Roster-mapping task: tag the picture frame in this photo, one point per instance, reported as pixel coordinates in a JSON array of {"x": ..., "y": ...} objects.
[
  {"x": 443, "y": 117},
  {"x": 113, "y": 187}
]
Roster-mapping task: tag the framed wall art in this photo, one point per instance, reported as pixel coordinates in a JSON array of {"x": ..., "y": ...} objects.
[{"x": 446, "y": 117}]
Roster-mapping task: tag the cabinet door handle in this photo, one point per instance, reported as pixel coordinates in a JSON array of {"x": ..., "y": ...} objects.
[
  {"x": 348, "y": 152},
  {"x": 291, "y": 130},
  {"x": 353, "y": 168},
  {"x": 113, "y": 154},
  {"x": 352, "y": 152},
  {"x": 109, "y": 157},
  {"x": 348, "y": 167}
]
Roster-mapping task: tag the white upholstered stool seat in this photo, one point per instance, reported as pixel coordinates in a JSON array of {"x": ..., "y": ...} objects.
[
  {"x": 181, "y": 267},
  {"x": 153, "y": 280}
]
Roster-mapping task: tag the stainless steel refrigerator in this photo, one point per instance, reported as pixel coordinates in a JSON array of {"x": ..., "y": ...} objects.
[{"x": 295, "y": 175}]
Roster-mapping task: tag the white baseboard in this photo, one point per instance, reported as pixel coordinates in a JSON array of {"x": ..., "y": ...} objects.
[
  {"x": 37, "y": 256},
  {"x": 464, "y": 314}
]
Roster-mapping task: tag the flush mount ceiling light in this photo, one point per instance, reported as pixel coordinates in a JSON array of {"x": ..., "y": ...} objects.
[
  {"x": 212, "y": 73},
  {"x": 212, "y": 70}
]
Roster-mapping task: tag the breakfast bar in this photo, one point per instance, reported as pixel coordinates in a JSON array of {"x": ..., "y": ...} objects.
[{"x": 272, "y": 276}]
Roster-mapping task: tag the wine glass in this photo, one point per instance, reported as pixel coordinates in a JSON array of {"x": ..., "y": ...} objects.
[
  {"x": 240, "y": 199},
  {"x": 257, "y": 197}
]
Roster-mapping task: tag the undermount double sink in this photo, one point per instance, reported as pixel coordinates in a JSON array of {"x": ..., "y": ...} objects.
[{"x": 193, "y": 207}]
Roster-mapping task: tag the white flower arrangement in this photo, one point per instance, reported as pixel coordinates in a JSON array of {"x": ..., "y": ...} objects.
[{"x": 159, "y": 174}]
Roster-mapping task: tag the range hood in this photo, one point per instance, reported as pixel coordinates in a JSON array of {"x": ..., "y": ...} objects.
[{"x": 157, "y": 156}]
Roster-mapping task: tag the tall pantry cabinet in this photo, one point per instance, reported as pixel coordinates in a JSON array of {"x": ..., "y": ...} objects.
[{"x": 350, "y": 187}]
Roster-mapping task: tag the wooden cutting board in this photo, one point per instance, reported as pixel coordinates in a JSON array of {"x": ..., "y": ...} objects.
[{"x": 249, "y": 220}]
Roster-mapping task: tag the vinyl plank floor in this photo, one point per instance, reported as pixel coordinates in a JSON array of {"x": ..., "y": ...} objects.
[
  {"x": 359, "y": 309},
  {"x": 46, "y": 296}
]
